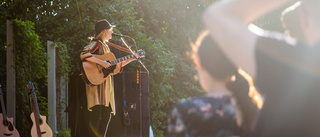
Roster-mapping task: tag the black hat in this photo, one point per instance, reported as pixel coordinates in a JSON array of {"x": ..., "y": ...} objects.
[{"x": 102, "y": 25}]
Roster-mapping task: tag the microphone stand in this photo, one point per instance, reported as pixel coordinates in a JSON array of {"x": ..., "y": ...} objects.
[
  {"x": 134, "y": 55},
  {"x": 140, "y": 94}
]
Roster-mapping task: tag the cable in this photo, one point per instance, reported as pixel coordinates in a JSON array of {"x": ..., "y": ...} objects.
[{"x": 105, "y": 132}]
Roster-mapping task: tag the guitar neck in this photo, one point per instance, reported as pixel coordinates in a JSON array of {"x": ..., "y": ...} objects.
[
  {"x": 4, "y": 114},
  {"x": 36, "y": 112},
  {"x": 35, "y": 104},
  {"x": 122, "y": 59}
]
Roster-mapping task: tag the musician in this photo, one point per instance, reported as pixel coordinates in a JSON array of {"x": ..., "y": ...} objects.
[{"x": 100, "y": 98}]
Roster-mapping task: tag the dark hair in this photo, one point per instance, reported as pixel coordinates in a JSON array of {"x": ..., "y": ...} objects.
[{"x": 214, "y": 61}]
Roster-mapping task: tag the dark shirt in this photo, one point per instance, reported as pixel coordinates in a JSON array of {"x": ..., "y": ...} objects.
[
  {"x": 288, "y": 78},
  {"x": 203, "y": 117}
]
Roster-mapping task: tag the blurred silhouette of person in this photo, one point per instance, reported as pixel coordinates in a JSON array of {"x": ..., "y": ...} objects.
[
  {"x": 286, "y": 70},
  {"x": 218, "y": 113}
]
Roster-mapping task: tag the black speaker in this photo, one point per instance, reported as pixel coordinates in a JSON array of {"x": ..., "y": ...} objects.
[{"x": 132, "y": 117}]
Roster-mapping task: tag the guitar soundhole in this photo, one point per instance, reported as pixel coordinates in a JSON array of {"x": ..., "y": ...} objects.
[
  {"x": 8, "y": 124},
  {"x": 40, "y": 121},
  {"x": 5, "y": 123}
]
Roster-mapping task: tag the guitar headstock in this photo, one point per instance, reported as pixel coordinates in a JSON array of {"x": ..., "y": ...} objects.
[
  {"x": 30, "y": 86},
  {"x": 141, "y": 53}
]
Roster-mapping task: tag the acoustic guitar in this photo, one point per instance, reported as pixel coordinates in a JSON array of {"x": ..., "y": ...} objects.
[
  {"x": 95, "y": 74},
  {"x": 40, "y": 128},
  {"x": 6, "y": 127}
]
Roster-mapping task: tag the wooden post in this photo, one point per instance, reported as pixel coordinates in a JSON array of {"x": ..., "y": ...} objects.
[
  {"x": 62, "y": 102},
  {"x": 52, "y": 86},
  {"x": 11, "y": 76}
]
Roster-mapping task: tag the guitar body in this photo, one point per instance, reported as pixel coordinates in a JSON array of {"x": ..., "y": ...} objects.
[
  {"x": 93, "y": 74},
  {"x": 8, "y": 130},
  {"x": 44, "y": 127}
]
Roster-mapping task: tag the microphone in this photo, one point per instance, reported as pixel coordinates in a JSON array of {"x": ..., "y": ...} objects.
[{"x": 119, "y": 35}]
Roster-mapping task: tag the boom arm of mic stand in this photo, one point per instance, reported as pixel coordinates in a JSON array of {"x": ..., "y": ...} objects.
[{"x": 135, "y": 55}]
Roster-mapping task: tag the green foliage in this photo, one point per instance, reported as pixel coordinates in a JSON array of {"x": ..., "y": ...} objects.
[
  {"x": 63, "y": 62},
  {"x": 64, "y": 133},
  {"x": 163, "y": 29},
  {"x": 3, "y": 47},
  {"x": 175, "y": 23},
  {"x": 30, "y": 61},
  {"x": 63, "y": 69}
]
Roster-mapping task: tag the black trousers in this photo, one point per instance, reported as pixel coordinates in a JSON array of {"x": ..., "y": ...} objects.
[
  {"x": 99, "y": 121},
  {"x": 95, "y": 123}
]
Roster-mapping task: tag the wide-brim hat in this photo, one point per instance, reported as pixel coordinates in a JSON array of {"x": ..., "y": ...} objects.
[{"x": 102, "y": 25}]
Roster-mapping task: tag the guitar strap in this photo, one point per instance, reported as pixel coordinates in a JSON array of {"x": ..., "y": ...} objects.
[{"x": 118, "y": 47}]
